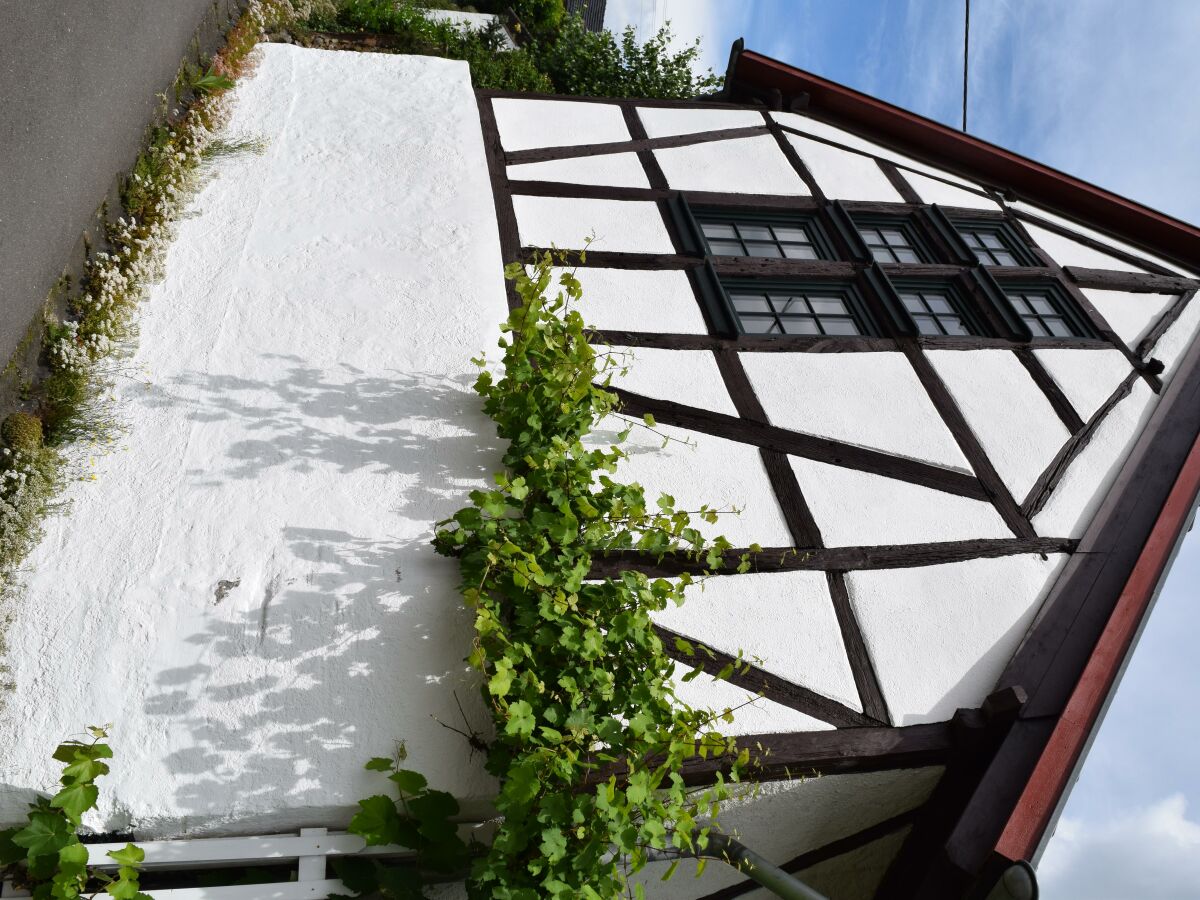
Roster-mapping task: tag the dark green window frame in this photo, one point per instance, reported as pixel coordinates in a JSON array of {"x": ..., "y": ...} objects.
[
  {"x": 1047, "y": 310},
  {"x": 797, "y": 308},
  {"x": 992, "y": 242},
  {"x": 765, "y": 234},
  {"x": 939, "y": 308},
  {"x": 893, "y": 239}
]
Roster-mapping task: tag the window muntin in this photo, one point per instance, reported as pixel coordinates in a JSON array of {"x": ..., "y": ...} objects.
[
  {"x": 891, "y": 242},
  {"x": 796, "y": 309},
  {"x": 737, "y": 236},
  {"x": 993, "y": 245},
  {"x": 936, "y": 311},
  {"x": 1044, "y": 312}
]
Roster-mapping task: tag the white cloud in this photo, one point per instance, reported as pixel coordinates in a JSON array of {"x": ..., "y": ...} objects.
[
  {"x": 1146, "y": 854},
  {"x": 708, "y": 20}
]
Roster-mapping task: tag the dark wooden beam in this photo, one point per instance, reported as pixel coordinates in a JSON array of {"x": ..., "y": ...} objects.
[
  {"x": 1132, "y": 282},
  {"x": 585, "y": 191},
  {"x": 902, "y": 185},
  {"x": 1054, "y": 394},
  {"x": 819, "y": 559},
  {"x": 746, "y": 343},
  {"x": 866, "y": 679},
  {"x": 793, "y": 157},
  {"x": 574, "y": 151},
  {"x": 808, "y": 446},
  {"x": 506, "y": 217},
  {"x": 1092, "y": 243},
  {"x": 1165, "y": 321}
]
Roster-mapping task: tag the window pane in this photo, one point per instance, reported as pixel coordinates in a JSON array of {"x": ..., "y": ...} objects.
[
  {"x": 828, "y": 306},
  {"x": 715, "y": 230},
  {"x": 754, "y": 232},
  {"x": 1043, "y": 306},
  {"x": 907, "y": 256},
  {"x": 1020, "y": 304},
  {"x": 725, "y": 248},
  {"x": 893, "y": 237},
  {"x": 839, "y": 326},
  {"x": 800, "y": 325},
  {"x": 972, "y": 239},
  {"x": 1037, "y": 328},
  {"x": 793, "y": 305},
  {"x": 953, "y": 325},
  {"x": 1004, "y": 258},
  {"x": 991, "y": 240},
  {"x": 984, "y": 257},
  {"x": 1057, "y": 327},
  {"x": 763, "y": 250},
  {"x": 882, "y": 254},
  {"x": 799, "y": 251},
  {"x": 760, "y": 325},
  {"x": 750, "y": 303},
  {"x": 927, "y": 325},
  {"x": 912, "y": 303},
  {"x": 796, "y": 235},
  {"x": 938, "y": 304},
  {"x": 870, "y": 235}
]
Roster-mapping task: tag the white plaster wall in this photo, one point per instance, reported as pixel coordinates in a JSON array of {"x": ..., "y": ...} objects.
[
  {"x": 857, "y": 508},
  {"x": 699, "y": 469},
  {"x": 1175, "y": 342},
  {"x": 1067, "y": 252},
  {"x": 784, "y": 620},
  {"x": 843, "y": 175},
  {"x": 308, "y": 418},
  {"x": 529, "y": 124},
  {"x": 1014, "y": 422},
  {"x": 639, "y": 300},
  {"x": 752, "y": 713},
  {"x": 1130, "y": 315},
  {"x": 1101, "y": 236},
  {"x": 933, "y": 191},
  {"x": 788, "y": 818},
  {"x": 685, "y": 376},
  {"x": 568, "y": 223},
  {"x": 940, "y": 636},
  {"x": 869, "y": 399},
  {"x": 1079, "y": 493},
  {"x": 613, "y": 169},
  {"x": 856, "y": 875},
  {"x": 1087, "y": 377},
  {"x": 852, "y": 141},
  {"x": 753, "y": 165},
  {"x": 663, "y": 121}
]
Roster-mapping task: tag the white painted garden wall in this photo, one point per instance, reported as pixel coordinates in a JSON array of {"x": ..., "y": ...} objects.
[{"x": 247, "y": 590}]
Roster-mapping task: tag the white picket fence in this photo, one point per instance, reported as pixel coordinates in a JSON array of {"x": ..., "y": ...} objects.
[{"x": 312, "y": 848}]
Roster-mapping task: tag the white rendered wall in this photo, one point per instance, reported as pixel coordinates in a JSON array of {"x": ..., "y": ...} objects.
[
  {"x": 1178, "y": 338},
  {"x": 931, "y": 190},
  {"x": 684, "y": 376},
  {"x": 843, "y": 175},
  {"x": 854, "y": 508},
  {"x": 752, "y": 713},
  {"x": 812, "y": 393},
  {"x": 308, "y": 418},
  {"x": 1130, "y": 315},
  {"x": 639, "y": 300},
  {"x": 855, "y": 875},
  {"x": 569, "y": 223},
  {"x": 1007, "y": 411},
  {"x": 1067, "y": 252},
  {"x": 785, "y": 620},
  {"x": 665, "y": 121},
  {"x": 529, "y": 124},
  {"x": 1087, "y": 377},
  {"x": 616, "y": 169},
  {"x": 753, "y": 165},
  {"x": 939, "y": 636}
]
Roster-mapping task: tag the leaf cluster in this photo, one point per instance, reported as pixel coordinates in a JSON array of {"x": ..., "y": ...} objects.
[
  {"x": 46, "y": 856},
  {"x": 590, "y": 738}
]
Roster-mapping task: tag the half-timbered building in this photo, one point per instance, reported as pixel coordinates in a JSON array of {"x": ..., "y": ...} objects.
[{"x": 954, "y": 393}]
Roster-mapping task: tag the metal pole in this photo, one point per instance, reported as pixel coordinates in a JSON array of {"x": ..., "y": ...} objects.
[{"x": 966, "y": 57}]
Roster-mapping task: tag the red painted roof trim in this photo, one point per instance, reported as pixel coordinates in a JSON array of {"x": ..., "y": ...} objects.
[
  {"x": 1028, "y": 822},
  {"x": 927, "y": 139}
]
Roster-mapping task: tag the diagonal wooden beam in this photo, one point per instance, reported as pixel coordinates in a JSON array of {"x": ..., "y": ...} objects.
[{"x": 542, "y": 154}]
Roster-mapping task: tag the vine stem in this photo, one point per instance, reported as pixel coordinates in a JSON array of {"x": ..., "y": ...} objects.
[{"x": 734, "y": 853}]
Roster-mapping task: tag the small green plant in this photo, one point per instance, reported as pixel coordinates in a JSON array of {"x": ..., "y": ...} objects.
[
  {"x": 211, "y": 81},
  {"x": 22, "y": 432},
  {"x": 45, "y": 856}
]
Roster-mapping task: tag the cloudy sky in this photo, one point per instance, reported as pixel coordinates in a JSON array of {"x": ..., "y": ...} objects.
[{"x": 1106, "y": 90}]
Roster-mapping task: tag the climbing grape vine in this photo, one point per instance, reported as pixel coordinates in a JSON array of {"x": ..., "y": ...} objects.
[{"x": 590, "y": 738}]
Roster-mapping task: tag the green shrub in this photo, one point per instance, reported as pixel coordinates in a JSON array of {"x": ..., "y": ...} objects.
[
  {"x": 22, "y": 431},
  {"x": 596, "y": 63},
  {"x": 540, "y": 16}
]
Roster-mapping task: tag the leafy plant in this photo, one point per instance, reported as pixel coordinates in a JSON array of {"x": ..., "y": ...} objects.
[
  {"x": 21, "y": 431},
  {"x": 46, "y": 856},
  {"x": 590, "y": 738},
  {"x": 210, "y": 81}
]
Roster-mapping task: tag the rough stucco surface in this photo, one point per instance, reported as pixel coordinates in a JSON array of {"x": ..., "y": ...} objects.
[
  {"x": 854, "y": 508},
  {"x": 753, "y": 165},
  {"x": 855, "y": 875},
  {"x": 684, "y": 376},
  {"x": 933, "y": 191},
  {"x": 843, "y": 175},
  {"x": 1178, "y": 338},
  {"x": 699, "y": 469},
  {"x": 974, "y": 613},
  {"x": 1130, "y": 315},
  {"x": 662, "y": 121},
  {"x": 1006, "y": 410},
  {"x": 792, "y": 817},
  {"x": 1067, "y": 252},
  {"x": 895, "y": 415},
  {"x": 1080, "y": 492},
  {"x": 568, "y": 223},
  {"x": 1087, "y": 377},
  {"x": 752, "y": 714},
  {"x": 616, "y": 169},
  {"x": 1104, "y": 238},
  {"x": 784, "y": 619},
  {"x": 526, "y": 124},
  {"x": 639, "y": 300},
  {"x": 250, "y": 579}
]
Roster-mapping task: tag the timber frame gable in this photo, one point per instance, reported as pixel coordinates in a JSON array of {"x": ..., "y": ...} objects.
[{"x": 985, "y": 812}]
